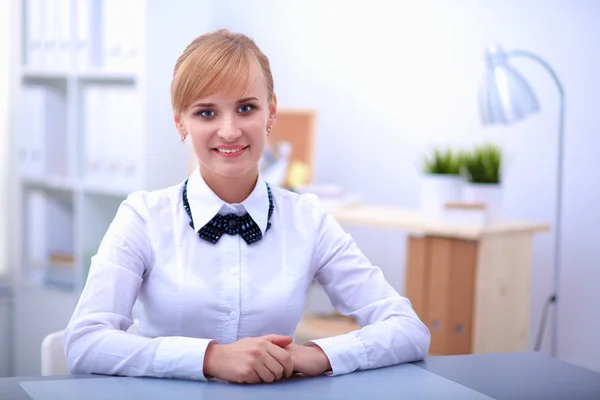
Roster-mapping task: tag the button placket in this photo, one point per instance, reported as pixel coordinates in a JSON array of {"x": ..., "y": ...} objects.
[
  {"x": 232, "y": 279},
  {"x": 235, "y": 294}
]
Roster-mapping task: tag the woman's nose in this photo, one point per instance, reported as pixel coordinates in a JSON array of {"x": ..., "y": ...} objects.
[{"x": 229, "y": 131}]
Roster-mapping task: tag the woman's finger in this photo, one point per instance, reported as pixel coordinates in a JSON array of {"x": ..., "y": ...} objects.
[
  {"x": 264, "y": 373},
  {"x": 283, "y": 358}
]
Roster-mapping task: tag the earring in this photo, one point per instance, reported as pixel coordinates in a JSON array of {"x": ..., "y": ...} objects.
[
  {"x": 183, "y": 136},
  {"x": 269, "y": 130}
]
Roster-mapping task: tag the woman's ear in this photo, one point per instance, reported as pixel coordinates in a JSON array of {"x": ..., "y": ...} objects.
[
  {"x": 273, "y": 110},
  {"x": 178, "y": 118},
  {"x": 180, "y": 126}
]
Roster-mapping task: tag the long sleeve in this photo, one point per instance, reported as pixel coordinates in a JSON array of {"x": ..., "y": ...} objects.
[
  {"x": 95, "y": 339},
  {"x": 391, "y": 331}
]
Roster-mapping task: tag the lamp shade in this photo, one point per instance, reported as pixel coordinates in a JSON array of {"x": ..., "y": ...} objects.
[{"x": 505, "y": 96}]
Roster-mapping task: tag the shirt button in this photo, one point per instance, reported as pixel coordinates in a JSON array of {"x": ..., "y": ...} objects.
[
  {"x": 232, "y": 315},
  {"x": 233, "y": 271}
]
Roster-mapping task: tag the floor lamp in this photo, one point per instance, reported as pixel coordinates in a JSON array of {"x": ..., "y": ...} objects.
[{"x": 506, "y": 97}]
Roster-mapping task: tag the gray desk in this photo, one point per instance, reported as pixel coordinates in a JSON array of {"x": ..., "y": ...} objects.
[
  {"x": 498, "y": 376},
  {"x": 516, "y": 376}
]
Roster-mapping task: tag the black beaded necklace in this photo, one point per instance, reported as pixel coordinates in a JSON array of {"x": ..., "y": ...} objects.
[{"x": 232, "y": 224}]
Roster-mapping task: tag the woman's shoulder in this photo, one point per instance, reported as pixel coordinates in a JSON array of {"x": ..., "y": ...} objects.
[
  {"x": 298, "y": 203},
  {"x": 144, "y": 201}
]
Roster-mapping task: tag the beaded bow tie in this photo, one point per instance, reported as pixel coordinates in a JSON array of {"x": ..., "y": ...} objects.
[{"x": 231, "y": 224}]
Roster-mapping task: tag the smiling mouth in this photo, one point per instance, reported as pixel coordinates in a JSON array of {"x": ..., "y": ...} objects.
[{"x": 231, "y": 151}]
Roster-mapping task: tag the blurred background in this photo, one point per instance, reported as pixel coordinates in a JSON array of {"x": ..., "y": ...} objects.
[{"x": 368, "y": 92}]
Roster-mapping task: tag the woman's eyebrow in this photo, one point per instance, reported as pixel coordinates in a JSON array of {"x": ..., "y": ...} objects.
[
  {"x": 244, "y": 100},
  {"x": 203, "y": 105},
  {"x": 247, "y": 99}
]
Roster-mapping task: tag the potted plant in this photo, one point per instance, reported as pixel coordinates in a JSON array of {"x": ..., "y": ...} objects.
[
  {"x": 482, "y": 169},
  {"x": 441, "y": 181}
]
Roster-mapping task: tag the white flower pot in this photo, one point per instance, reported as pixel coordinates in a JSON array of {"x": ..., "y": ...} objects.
[
  {"x": 436, "y": 191},
  {"x": 488, "y": 194}
]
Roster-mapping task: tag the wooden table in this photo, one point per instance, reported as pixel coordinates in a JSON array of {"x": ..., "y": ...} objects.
[{"x": 471, "y": 285}]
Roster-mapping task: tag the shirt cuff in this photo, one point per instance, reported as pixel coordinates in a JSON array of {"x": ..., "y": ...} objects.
[
  {"x": 181, "y": 358},
  {"x": 346, "y": 353}
]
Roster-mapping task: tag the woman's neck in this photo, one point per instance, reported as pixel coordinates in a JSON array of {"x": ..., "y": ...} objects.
[{"x": 231, "y": 190}]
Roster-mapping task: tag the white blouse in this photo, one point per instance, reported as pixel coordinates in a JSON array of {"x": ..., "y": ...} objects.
[{"x": 190, "y": 292}]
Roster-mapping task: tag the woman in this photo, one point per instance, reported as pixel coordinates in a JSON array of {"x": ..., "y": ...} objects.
[{"x": 220, "y": 263}]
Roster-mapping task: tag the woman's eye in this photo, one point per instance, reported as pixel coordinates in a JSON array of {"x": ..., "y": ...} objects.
[
  {"x": 245, "y": 108},
  {"x": 206, "y": 113}
]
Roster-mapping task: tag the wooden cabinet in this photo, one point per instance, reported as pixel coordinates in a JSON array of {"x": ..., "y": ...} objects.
[
  {"x": 474, "y": 295},
  {"x": 440, "y": 276}
]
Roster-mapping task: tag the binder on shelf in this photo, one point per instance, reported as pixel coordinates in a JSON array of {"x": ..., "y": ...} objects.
[
  {"x": 41, "y": 135},
  {"x": 60, "y": 271},
  {"x": 122, "y": 29},
  {"x": 92, "y": 132},
  {"x": 49, "y": 239},
  {"x": 31, "y": 135},
  {"x": 96, "y": 36},
  {"x": 34, "y": 28},
  {"x": 124, "y": 145},
  {"x": 55, "y": 133},
  {"x": 116, "y": 120},
  {"x": 50, "y": 33},
  {"x": 64, "y": 280},
  {"x": 131, "y": 136},
  {"x": 49, "y": 23},
  {"x": 97, "y": 133},
  {"x": 37, "y": 254},
  {"x": 82, "y": 35},
  {"x": 59, "y": 223},
  {"x": 133, "y": 41},
  {"x": 63, "y": 34},
  {"x": 112, "y": 146},
  {"x": 113, "y": 35}
]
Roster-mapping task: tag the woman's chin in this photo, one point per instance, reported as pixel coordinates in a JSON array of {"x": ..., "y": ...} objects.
[{"x": 236, "y": 171}]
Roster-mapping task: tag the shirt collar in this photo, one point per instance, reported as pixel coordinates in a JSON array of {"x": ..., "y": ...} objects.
[{"x": 205, "y": 204}]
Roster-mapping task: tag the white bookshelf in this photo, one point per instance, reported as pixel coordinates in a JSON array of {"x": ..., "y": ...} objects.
[{"x": 92, "y": 122}]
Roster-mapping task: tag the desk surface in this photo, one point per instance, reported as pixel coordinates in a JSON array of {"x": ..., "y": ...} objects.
[
  {"x": 516, "y": 376},
  {"x": 397, "y": 218},
  {"x": 497, "y": 376}
]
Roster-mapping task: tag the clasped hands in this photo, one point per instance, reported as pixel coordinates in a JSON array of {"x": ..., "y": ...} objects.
[{"x": 263, "y": 359}]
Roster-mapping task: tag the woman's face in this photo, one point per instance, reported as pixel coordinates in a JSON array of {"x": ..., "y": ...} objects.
[{"x": 228, "y": 130}]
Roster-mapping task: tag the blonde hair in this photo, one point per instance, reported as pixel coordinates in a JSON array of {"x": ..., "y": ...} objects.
[{"x": 215, "y": 61}]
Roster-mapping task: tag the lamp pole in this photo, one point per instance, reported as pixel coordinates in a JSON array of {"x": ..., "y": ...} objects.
[{"x": 559, "y": 185}]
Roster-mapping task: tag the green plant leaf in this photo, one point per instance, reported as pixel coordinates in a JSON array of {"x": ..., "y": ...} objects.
[
  {"x": 484, "y": 164},
  {"x": 443, "y": 162}
]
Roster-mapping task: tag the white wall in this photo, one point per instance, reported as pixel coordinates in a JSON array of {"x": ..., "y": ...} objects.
[{"x": 391, "y": 78}]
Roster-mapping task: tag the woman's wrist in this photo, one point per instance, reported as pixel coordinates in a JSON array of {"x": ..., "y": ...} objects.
[
  {"x": 209, "y": 359},
  {"x": 320, "y": 356}
]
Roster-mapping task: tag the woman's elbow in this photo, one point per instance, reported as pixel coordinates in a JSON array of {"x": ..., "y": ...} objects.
[
  {"x": 420, "y": 339},
  {"x": 74, "y": 367},
  {"x": 423, "y": 341},
  {"x": 76, "y": 352}
]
